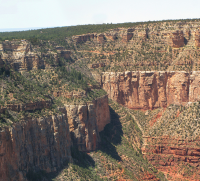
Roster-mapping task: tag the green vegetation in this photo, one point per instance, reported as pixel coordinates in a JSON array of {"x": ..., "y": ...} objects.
[
  {"x": 118, "y": 156},
  {"x": 60, "y": 33}
]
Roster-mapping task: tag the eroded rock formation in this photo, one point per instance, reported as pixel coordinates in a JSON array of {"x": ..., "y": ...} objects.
[
  {"x": 36, "y": 144},
  {"x": 83, "y": 38},
  {"x": 167, "y": 154},
  {"x": 45, "y": 143},
  {"x": 126, "y": 36},
  {"x": 148, "y": 90},
  {"x": 197, "y": 38},
  {"x": 86, "y": 121},
  {"x": 176, "y": 39}
]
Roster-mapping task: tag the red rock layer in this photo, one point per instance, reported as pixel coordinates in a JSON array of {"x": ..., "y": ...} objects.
[
  {"x": 176, "y": 39},
  {"x": 102, "y": 112},
  {"x": 45, "y": 143},
  {"x": 166, "y": 152},
  {"x": 86, "y": 121},
  {"x": 149, "y": 90},
  {"x": 83, "y": 38},
  {"x": 38, "y": 144}
]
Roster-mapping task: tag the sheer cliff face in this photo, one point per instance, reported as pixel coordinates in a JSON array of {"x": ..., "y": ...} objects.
[
  {"x": 45, "y": 144},
  {"x": 86, "y": 121},
  {"x": 83, "y": 126},
  {"x": 148, "y": 90},
  {"x": 34, "y": 144}
]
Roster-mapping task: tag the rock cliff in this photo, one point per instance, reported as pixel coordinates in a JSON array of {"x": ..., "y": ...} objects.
[
  {"x": 169, "y": 154},
  {"x": 149, "y": 90},
  {"x": 38, "y": 144},
  {"x": 197, "y": 39},
  {"x": 45, "y": 143},
  {"x": 86, "y": 121},
  {"x": 173, "y": 150},
  {"x": 176, "y": 39}
]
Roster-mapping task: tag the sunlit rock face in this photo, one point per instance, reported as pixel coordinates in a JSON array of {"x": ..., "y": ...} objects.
[{"x": 149, "y": 90}]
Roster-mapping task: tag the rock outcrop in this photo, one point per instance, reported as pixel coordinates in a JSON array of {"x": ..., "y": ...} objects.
[
  {"x": 167, "y": 153},
  {"x": 176, "y": 39},
  {"x": 149, "y": 90},
  {"x": 31, "y": 106},
  {"x": 86, "y": 121},
  {"x": 111, "y": 36},
  {"x": 126, "y": 36},
  {"x": 100, "y": 38},
  {"x": 16, "y": 46},
  {"x": 197, "y": 39},
  {"x": 102, "y": 112},
  {"x": 82, "y": 38},
  {"x": 45, "y": 144},
  {"x": 143, "y": 34},
  {"x": 97, "y": 65},
  {"x": 19, "y": 56},
  {"x": 38, "y": 144}
]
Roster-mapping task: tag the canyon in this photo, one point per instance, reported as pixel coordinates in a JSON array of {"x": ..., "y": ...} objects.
[
  {"x": 168, "y": 149},
  {"x": 151, "y": 76}
]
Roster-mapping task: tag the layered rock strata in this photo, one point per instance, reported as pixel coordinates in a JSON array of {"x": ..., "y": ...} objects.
[
  {"x": 86, "y": 121},
  {"x": 28, "y": 106},
  {"x": 174, "y": 150},
  {"x": 83, "y": 38},
  {"x": 149, "y": 90},
  {"x": 37, "y": 144},
  {"x": 176, "y": 39},
  {"x": 45, "y": 143}
]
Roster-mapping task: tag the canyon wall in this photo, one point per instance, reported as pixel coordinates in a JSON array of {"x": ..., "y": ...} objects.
[
  {"x": 173, "y": 156},
  {"x": 176, "y": 39},
  {"x": 36, "y": 144},
  {"x": 45, "y": 143},
  {"x": 166, "y": 151},
  {"x": 86, "y": 121},
  {"x": 149, "y": 90}
]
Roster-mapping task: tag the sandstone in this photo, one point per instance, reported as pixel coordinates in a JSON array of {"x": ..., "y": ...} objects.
[
  {"x": 18, "y": 46},
  {"x": 65, "y": 54},
  {"x": 102, "y": 112},
  {"x": 45, "y": 143},
  {"x": 28, "y": 106},
  {"x": 97, "y": 65},
  {"x": 176, "y": 39},
  {"x": 86, "y": 121},
  {"x": 187, "y": 34},
  {"x": 126, "y": 36},
  {"x": 39, "y": 144},
  {"x": 197, "y": 38},
  {"x": 110, "y": 36},
  {"x": 100, "y": 38},
  {"x": 149, "y": 90},
  {"x": 163, "y": 148},
  {"x": 83, "y": 38},
  {"x": 143, "y": 34},
  {"x": 19, "y": 56}
]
